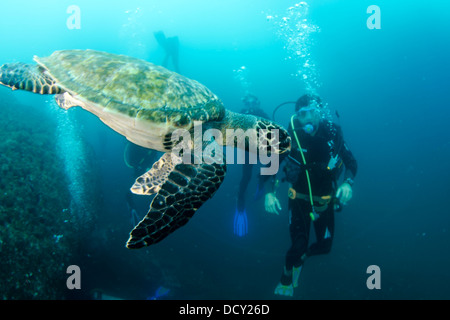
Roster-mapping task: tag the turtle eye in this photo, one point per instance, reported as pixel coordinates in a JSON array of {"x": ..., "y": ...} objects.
[{"x": 180, "y": 120}]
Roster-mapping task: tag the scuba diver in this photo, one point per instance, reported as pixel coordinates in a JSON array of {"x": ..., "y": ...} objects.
[
  {"x": 170, "y": 46},
  {"x": 312, "y": 168},
  {"x": 252, "y": 106}
]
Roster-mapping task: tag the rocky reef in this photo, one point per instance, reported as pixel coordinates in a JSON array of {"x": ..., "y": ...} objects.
[{"x": 39, "y": 235}]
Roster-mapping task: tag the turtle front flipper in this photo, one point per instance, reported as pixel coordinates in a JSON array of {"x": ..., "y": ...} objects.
[
  {"x": 185, "y": 190},
  {"x": 28, "y": 77},
  {"x": 152, "y": 181}
]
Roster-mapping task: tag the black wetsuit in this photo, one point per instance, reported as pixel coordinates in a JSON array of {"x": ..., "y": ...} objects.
[{"x": 318, "y": 150}]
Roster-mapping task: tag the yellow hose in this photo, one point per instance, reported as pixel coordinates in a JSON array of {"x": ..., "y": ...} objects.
[{"x": 306, "y": 170}]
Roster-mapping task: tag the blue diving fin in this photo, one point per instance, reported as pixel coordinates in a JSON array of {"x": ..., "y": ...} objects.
[
  {"x": 240, "y": 223},
  {"x": 159, "y": 293}
]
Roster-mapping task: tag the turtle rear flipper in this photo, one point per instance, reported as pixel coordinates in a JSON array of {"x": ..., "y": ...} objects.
[
  {"x": 185, "y": 190},
  {"x": 28, "y": 77}
]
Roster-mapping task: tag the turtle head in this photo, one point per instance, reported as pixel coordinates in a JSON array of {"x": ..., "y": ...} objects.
[
  {"x": 256, "y": 135},
  {"x": 272, "y": 138}
]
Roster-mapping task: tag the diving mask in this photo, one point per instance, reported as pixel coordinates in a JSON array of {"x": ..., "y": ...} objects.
[
  {"x": 303, "y": 112},
  {"x": 310, "y": 117}
]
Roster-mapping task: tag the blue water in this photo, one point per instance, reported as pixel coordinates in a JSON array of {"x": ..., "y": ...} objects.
[{"x": 390, "y": 87}]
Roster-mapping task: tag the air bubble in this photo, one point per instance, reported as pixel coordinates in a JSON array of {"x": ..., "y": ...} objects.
[
  {"x": 298, "y": 31},
  {"x": 241, "y": 76}
]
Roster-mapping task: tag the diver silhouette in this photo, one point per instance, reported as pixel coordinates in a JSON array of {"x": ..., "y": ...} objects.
[
  {"x": 171, "y": 47},
  {"x": 251, "y": 106}
]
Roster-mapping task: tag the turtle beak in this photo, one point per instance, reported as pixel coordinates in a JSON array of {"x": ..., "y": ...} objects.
[
  {"x": 285, "y": 142},
  {"x": 285, "y": 146},
  {"x": 288, "y": 148}
]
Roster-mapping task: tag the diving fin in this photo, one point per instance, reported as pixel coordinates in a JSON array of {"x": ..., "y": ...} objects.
[
  {"x": 240, "y": 223},
  {"x": 284, "y": 290},
  {"x": 295, "y": 275}
]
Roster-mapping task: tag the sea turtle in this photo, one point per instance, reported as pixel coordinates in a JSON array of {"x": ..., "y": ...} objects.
[{"x": 147, "y": 103}]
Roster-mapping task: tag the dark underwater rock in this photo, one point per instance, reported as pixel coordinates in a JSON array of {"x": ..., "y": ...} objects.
[{"x": 39, "y": 238}]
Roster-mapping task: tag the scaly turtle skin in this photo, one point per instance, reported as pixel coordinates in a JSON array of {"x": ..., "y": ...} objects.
[{"x": 146, "y": 104}]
